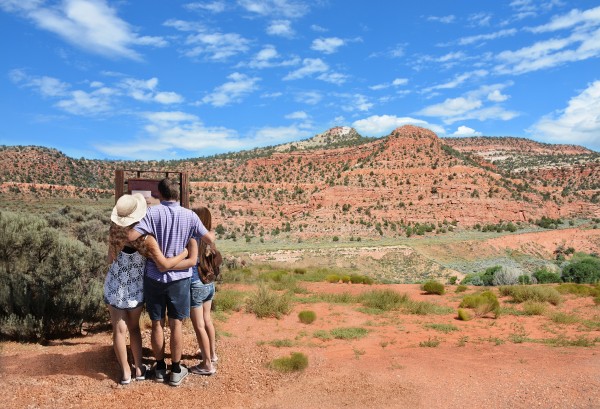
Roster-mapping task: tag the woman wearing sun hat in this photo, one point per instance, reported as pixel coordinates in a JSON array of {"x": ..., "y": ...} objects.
[{"x": 123, "y": 287}]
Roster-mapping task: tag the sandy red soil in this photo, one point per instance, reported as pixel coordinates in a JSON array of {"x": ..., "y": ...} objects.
[{"x": 479, "y": 365}]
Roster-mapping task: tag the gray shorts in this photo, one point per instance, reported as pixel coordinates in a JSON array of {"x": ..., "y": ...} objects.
[{"x": 201, "y": 293}]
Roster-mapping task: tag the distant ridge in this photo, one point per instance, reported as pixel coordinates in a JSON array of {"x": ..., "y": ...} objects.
[
  {"x": 340, "y": 183},
  {"x": 335, "y": 137}
]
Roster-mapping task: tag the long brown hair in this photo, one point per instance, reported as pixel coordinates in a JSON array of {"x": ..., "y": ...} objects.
[{"x": 205, "y": 216}]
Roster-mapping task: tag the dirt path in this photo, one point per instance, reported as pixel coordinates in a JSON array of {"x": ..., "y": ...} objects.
[{"x": 475, "y": 366}]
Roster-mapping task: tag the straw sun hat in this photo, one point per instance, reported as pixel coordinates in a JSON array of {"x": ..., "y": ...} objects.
[{"x": 129, "y": 209}]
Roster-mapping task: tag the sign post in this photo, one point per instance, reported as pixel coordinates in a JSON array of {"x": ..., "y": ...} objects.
[{"x": 131, "y": 181}]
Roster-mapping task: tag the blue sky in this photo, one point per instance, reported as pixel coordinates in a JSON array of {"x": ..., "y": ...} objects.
[{"x": 160, "y": 79}]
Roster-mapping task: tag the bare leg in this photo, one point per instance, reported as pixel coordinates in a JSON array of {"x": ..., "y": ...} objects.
[
  {"x": 158, "y": 339},
  {"x": 202, "y": 337},
  {"x": 176, "y": 339},
  {"x": 133, "y": 324},
  {"x": 210, "y": 328},
  {"x": 119, "y": 325}
]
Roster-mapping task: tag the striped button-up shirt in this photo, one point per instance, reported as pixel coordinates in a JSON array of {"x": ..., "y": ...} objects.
[{"x": 173, "y": 226}]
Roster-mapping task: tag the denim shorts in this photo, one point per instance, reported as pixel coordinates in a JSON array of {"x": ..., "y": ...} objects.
[
  {"x": 173, "y": 297},
  {"x": 201, "y": 293}
]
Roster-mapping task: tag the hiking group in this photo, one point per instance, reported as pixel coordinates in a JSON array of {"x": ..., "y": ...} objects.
[{"x": 163, "y": 257}]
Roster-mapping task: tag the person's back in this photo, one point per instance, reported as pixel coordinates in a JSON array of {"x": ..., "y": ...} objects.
[{"x": 173, "y": 226}]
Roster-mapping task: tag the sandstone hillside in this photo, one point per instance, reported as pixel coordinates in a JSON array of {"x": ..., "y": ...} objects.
[{"x": 340, "y": 183}]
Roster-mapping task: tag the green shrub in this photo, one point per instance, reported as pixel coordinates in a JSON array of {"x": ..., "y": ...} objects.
[
  {"x": 50, "y": 283},
  {"x": 483, "y": 303},
  {"x": 581, "y": 290},
  {"x": 544, "y": 276},
  {"x": 425, "y": 308},
  {"x": 506, "y": 276},
  {"x": 266, "y": 303},
  {"x": 307, "y": 317},
  {"x": 297, "y": 361},
  {"x": 484, "y": 278},
  {"x": 524, "y": 279},
  {"x": 349, "y": 332},
  {"x": 360, "y": 279},
  {"x": 445, "y": 328},
  {"x": 452, "y": 280},
  {"x": 433, "y": 287},
  {"x": 282, "y": 343},
  {"x": 534, "y": 308},
  {"x": 585, "y": 270},
  {"x": 345, "y": 279},
  {"x": 322, "y": 334},
  {"x": 521, "y": 293},
  {"x": 385, "y": 300},
  {"x": 342, "y": 298},
  {"x": 229, "y": 300},
  {"x": 430, "y": 343},
  {"x": 333, "y": 278},
  {"x": 563, "y": 318},
  {"x": 464, "y": 315},
  {"x": 461, "y": 288}
]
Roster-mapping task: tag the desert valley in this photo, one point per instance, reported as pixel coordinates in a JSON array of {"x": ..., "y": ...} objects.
[{"x": 351, "y": 229}]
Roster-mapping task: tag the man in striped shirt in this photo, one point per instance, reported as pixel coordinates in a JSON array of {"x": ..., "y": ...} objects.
[{"x": 173, "y": 226}]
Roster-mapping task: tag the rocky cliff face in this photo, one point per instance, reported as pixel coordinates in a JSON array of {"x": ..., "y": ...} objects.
[{"x": 373, "y": 187}]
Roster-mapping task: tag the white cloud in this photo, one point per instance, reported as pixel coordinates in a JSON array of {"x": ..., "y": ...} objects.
[
  {"x": 399, "y": 81},
  {"x": 213, "y": 7},
  {"x": 278, "y": 135},
  {"x": 145, "y": 90},
  {"x": 282, "y": 28},
  {"x": 284, "y": 8},
  {"x": 297, "y": 115},
  {"x": 573, "y": 18},
  {"x": 483, "y": 114},
  {"x": 485, "y": 37},
  {"x": 471, "y": 105},
  {"x": 46, "y": 86},
  {"x": 355, "y": 102},
  {"x": 216, "y": 46},
  {"x": 87, "y": 103},
  {"x": 232, "y": 91},
  {"x": 578, "y": 123},
  {"x": 174, "y": 131},
  {"x": 497, "y": 96},
  {"x": 318, "y": 28},
  {"x": 333, "y": 77},
  {"x": 327, "y": 45},
  {"x": 451, "y": 107},
  {"x": 76, "y": 102},
  {"x": 309, "y": 67},
  {"x": 395, "y": 83},
  {"x": 396, "y": 51},
  {"x": 466, "y": 131},
  {"x": 210, "y": 44},
  {"x": 378, "y": 125},
  {"x": 88, "y": 24},
  {"x": 532, "y": 8},
  {"x": 582, "y": 43},
  {"x": 480, "y": 19},
  {"x": 308, "y": 97},
  {"x": 444, "y": 19},
  {"x": 269, "y": 57},
  {"x": 272, "y": 95},
  {"x": 458, "y": 80}
]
